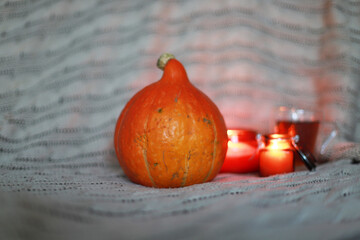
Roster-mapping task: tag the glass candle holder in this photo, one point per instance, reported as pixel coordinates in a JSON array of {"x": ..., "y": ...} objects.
[
  {"x": 241, "y": 156},
  {"x": 276, "y": 154}
]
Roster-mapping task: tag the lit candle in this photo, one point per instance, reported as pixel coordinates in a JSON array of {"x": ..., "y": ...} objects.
[
  {"x": 241, "y": 155},
  {"x": 277, "y": 156}
]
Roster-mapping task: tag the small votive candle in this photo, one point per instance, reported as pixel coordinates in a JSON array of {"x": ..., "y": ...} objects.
[
  {"x": 276, "y": 155},
  {"x": 241, "y": 156}
]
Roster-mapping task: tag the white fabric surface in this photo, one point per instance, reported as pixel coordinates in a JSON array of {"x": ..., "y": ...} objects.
[{"x": 68, "y": 67}]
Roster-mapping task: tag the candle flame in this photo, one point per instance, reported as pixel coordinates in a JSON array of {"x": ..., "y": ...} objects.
[{"x": 279, "y": 144}]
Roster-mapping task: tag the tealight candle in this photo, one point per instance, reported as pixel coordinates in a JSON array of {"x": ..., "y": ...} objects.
[
  {"x": 241, "y": 156},
  {"x": 277, "y": 155}
]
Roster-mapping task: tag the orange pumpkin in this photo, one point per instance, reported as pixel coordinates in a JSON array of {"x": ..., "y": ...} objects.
[{"x": 170, "y": 134}]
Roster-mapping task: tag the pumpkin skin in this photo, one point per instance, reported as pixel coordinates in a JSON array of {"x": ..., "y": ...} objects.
[{"x": 170, "y": 134}]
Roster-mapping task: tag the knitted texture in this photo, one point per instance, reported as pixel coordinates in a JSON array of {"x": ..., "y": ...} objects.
[{"x": 67, "y": 68}]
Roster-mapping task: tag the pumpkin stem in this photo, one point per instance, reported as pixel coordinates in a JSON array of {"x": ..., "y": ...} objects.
[{"x": 163, "y": 59}]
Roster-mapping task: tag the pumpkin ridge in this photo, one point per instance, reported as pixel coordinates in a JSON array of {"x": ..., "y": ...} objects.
[
  {"x": 214, "y": 152},
  {"x": 163, "y": 160},
  {"x": 188, "y": 156},
  {"x": 147, "y": 167},
  {"x": 187, "y": 166}
]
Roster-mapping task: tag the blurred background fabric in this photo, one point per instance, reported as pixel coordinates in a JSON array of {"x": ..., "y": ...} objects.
[{"x": 67, "y": 68}]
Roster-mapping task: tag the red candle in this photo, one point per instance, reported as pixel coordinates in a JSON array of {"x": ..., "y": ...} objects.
[
  {"x": 277, "y": 156},
  {"x": 241, "y": 155}
]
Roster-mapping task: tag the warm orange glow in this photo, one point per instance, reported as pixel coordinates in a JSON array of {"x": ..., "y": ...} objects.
[
  {"x": 279, "y": 144},
  {"x": 276, "y": 162},
  {"x": 240, "y": 148},
  {"x": 232, "y": 136},
  {"x": 241, "y": 156},
  {"x": 277, "y": 157}
]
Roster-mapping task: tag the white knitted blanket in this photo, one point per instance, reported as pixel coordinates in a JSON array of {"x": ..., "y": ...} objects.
[{"x": 67, "y": 68}]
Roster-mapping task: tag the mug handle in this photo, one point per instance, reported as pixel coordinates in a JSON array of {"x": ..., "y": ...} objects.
[{"x": 328, "y": 139}]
